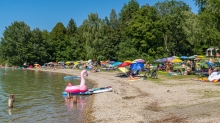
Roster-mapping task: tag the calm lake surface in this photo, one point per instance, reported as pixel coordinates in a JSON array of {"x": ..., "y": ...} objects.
[{"x": 38, "y": 97}]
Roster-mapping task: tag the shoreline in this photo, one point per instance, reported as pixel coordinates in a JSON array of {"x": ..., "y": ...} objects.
[{"x": 154, "y": 101}]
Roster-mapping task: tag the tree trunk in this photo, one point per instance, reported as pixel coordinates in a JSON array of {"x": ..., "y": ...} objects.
[{"x": 165, "y": 43}]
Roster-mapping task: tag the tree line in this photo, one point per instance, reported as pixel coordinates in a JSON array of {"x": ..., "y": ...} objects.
[{"x": 149, "y": 32}]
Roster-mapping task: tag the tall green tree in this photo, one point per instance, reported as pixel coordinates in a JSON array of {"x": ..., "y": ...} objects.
[
  {"x": 201, "y": 4},
  {"x": 144, "y": 30},
  {"x": 71, "y": 27},
  {"x": 210, "y": 19},
  {"x": 111, "y": 36},
  {"x": 14, "y": 42},
  {"x": 45, "y": 53},
  {"x": 127, "y": 12},
  {"x": 80, "y": 41},
  {"x": 127, "y": 51},
  {"x": 169, "y": 13},
  {"x": 92, "y": 36},
  {"x": 125, "y": 16},
  {"x": 194, "y": 31},
  {"x": 38, "y": 49},
  {"x": 72, "y": 50},
  {"x": 58, "y": 42},
  {"x": 34, "y": 48}
]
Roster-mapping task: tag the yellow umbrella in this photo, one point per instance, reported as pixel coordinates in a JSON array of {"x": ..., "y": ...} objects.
[
  {"x": 200, "y": 56},
  {"x": 128, "y": 61},
  {"x": 176, "y": 61},
  {"x": 123, "y": 69},
  {"x": 76, "y": 63},
  {"x": 68, "y": 62}
]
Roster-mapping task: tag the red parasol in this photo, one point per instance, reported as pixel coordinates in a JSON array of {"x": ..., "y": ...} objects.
[{"x": 124, "y": 64}]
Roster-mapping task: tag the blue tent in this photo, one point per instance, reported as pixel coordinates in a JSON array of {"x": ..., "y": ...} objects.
[
  {"x": 137, "y": 66},
  {"x": 184, "y": 57}
]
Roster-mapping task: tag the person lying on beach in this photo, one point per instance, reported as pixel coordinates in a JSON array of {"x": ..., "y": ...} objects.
[
  {"x": 94, "y": 69},
  {"x": 132, "y": 76}
]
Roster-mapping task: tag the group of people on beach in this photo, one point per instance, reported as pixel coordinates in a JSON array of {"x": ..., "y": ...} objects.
[
  {"x": 186, "y": 68},
  {"x": 211, "y": 66}
]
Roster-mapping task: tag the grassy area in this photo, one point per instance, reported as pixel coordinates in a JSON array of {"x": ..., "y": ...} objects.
[
  {"x": 163, "y": 79},
  {"x": 165, "y": 75},
  {"x": 206, "y": 93}
]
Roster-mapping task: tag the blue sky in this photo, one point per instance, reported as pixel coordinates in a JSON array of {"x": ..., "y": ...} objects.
[{"x": 45, "y": 14}]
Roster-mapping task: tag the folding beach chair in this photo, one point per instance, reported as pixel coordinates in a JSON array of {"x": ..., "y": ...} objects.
[{"x": 124, "y": 72}]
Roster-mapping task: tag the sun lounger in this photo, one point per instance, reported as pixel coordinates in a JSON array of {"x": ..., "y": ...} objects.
[{"x": 124, "y": 72}]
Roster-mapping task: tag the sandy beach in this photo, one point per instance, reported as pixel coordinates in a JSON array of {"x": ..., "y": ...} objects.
[{"x": 161, "y": 100}]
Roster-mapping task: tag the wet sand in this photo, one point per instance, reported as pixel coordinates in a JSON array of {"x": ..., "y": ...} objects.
[{"x": 161, "y": 100}]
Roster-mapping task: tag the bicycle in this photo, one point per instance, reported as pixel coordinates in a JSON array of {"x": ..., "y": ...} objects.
[
  {"x": 147, "y": 73},
  {"x": 154, "y": 73},
  {"x": 151, "y": 73}
]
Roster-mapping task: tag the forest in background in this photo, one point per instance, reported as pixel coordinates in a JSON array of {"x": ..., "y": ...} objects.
[{"x": 165, "y": 29}]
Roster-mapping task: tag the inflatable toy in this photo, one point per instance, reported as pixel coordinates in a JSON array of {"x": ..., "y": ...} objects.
[
  {"x": 78, "y": 88},
  {"x": 90, "y": 91},
  {"x": 215, "y": 80},
  {"x": 214, "y": 75},
  {"x": 204, "y": 79}
]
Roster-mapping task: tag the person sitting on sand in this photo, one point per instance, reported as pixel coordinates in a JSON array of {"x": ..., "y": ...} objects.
[
  {"x": 94, "y": 68},
  {"x": 132, "y": 76}
]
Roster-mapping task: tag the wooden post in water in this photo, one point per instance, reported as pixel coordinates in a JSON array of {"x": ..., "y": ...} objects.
[
  {"x": 74, "y": 99},
  {"x": 68, "y": 95},
  {"x": 11, "y": 100}
]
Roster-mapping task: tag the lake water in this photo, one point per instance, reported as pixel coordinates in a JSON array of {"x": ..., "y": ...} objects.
[{"x": 38, "y": 97}]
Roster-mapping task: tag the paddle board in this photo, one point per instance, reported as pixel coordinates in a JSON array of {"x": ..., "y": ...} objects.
[
  {"x": 100, "y": 90},
  {"x": 79, "y": 93},
  {"x": 71, "y": 77},
  {"x": 92, "y": 91}
]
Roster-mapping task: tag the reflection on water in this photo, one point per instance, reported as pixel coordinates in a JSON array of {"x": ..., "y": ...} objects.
[
  {"x": 38, "y": 97},
  {"x": 10, "y": 111},
  {"x": 79, "y": 105}
]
